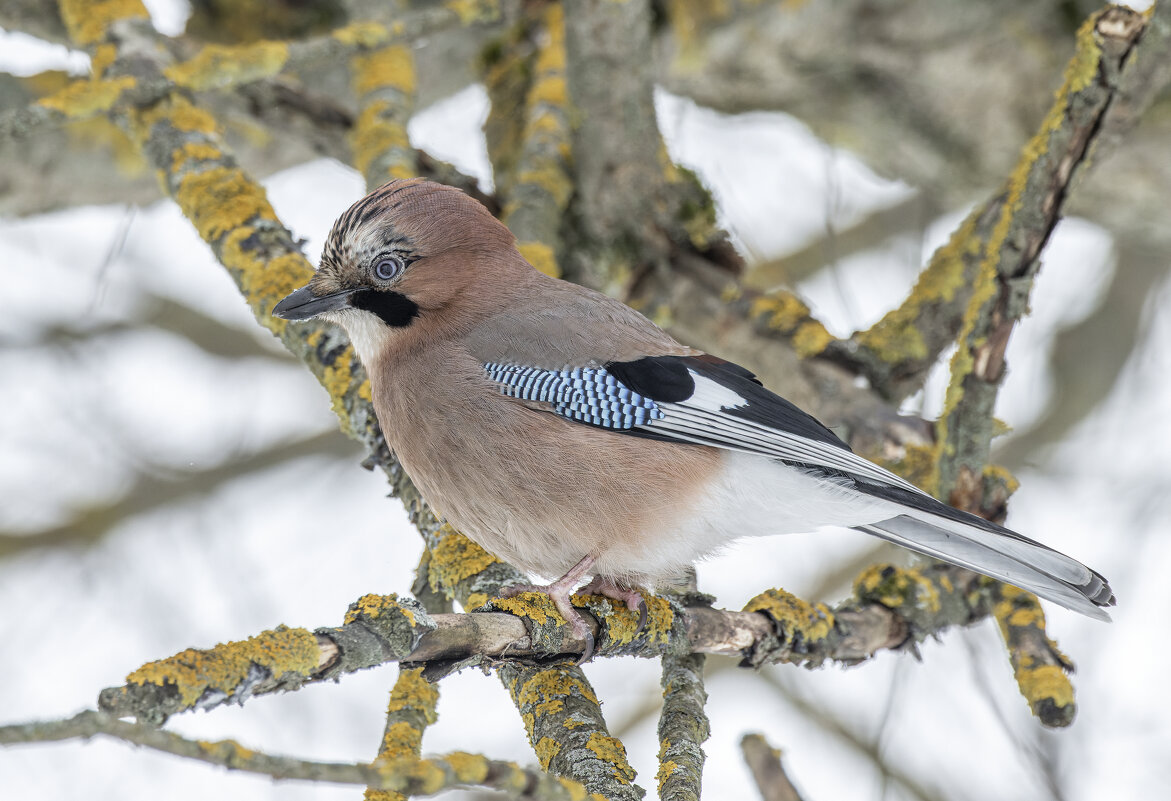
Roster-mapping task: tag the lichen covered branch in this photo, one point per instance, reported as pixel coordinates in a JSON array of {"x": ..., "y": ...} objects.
[
  {"x": 999, "y": 243},
  {"x": 407, "y": 777}
]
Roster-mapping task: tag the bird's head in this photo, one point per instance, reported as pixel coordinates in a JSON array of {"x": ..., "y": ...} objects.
[{"x": 406, "y": 251}]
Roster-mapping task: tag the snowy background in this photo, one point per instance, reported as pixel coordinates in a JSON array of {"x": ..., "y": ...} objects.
[{"x": 89, "y": 402}]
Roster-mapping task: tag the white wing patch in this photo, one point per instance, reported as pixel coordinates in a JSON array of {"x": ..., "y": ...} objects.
[
  {"x": 703, "y": 418},
  {"x": 710, "y": 395}
]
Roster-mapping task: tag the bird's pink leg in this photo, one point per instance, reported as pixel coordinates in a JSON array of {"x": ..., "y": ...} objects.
[
  {"x": 632, "y": 598},
  {"x": 558, "y": 593}
]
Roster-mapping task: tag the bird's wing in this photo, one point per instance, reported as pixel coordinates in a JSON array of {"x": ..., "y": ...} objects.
[
  {"x": 707, "y": 401},
  {"x": 693, "y": 399}
]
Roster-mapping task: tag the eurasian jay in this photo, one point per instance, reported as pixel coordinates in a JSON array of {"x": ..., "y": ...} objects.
[{"x": 568, "y": 435}]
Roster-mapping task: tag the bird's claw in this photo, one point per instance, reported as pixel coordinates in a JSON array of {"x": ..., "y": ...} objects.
[
  {"x": 559, "y": 595},
  {"x": 631, "y": 598}
]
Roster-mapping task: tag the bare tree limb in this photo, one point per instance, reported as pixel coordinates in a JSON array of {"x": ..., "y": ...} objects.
[
  {"x": 407, "y": 777},
  {"x": 767, "y": 771}
]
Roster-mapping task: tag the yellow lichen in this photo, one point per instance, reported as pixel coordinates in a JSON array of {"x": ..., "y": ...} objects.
[
  {"x": 468, "y": 768},
  {"x": 374, "y": 606},
  {"x": 456, "y": 558},
  {"x": 412, "y": 691},
  {"x": 552, "y": 683},
  {"x": 551, "y": 56},
  {"x": 665, "y": 770},
  {"x": 546, "y": 748},
  {"x": 812, "y": 621},
  {"x": 622, "y": 623},
  {"x": 1083, "y": 68},
  {"x": 217, "y": 66},
  {"x": 551, "y": 90},
  {"x": 894, "y": 587},
  {"x": 263, "y": 282},
  {"x": 811, "y": 338},
  {"x": 786, "y": 313},
  {"x": 177, "y": 112},
  {"x": 88, "y": 20},
  {"x": 400, "y": 739},
  {"x": 375, "y": 132},
  {"x": 551, "y": 178},
  {"x": 362, "y": 34},
  {"x": 429, "y": 776},
  {"x": 227, "y": 752},
  {"x": 220, "y": 200},
  {"x": 476, "y": 600},
  {"x": 896, "y": 337},
  {"x": 472, "y": 11},
  {"x": 536, "y": 606},
  {"x": 1045, "y": 683},
  {"x": 540, "y": 256},
  {"x": 1017, "y": 608},
  {"x": 194, "y": 151},
  {"x": 391, "y": 67},
  {"x": 610, "y": 749},
  {"x": 101, "y": 58},
  {"x": 550, "y": 707},
  {"x": 338, "y": 378},
  {"x": 84, "y": 98},
  {"x": 1002, "y": 475},
  {"x": 225, "y": 667}
]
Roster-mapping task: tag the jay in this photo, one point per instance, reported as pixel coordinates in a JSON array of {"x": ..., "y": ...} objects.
[{"x": 568, "y": 435}]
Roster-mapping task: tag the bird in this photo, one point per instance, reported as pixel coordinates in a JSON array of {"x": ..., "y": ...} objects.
[{"x": 567, "y": 434}]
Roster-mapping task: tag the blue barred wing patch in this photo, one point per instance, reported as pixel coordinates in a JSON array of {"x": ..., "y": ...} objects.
[{"x": 586, "y": 394}]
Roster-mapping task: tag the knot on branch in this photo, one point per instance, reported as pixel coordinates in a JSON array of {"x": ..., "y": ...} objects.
[
  {"x": 380, "y": 628},
  {"x": 801, "y": 630}
]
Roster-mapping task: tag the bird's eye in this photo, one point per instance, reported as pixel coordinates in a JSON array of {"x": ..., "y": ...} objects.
[{"x": 388, "y": 267}]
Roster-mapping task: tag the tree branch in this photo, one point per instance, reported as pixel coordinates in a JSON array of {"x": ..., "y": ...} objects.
[
  {"x": 1000, "y": 242},
  {"x": 892, "y": 609},
  {"x": 683, "y": 728},
  {"x": 767, "y": 771},
  {"x": 405, "y": 776}
]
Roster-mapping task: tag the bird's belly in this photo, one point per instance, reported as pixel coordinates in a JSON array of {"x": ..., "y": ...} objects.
[{"x": 542, "y": 492}]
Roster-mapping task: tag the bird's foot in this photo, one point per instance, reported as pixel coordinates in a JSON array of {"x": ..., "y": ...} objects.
[
  {"x": 632, "y": 598},
  {"x": 558, "y": 592}
]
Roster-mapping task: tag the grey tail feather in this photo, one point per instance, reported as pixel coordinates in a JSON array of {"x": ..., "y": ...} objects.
[{"x": 1002, "y": 554}]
